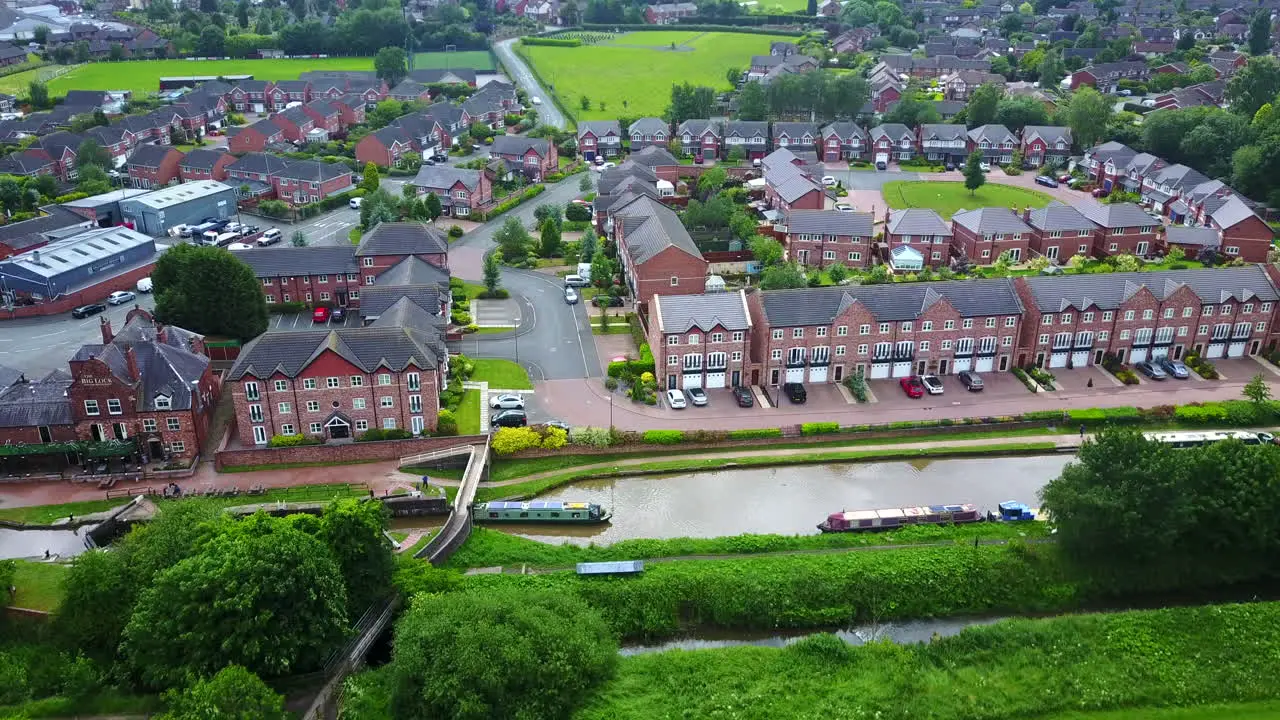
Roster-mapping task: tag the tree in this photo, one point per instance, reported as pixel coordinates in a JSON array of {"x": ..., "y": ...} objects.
[
  {"x": 353, "y": 530},
  {"x": 1260, "y": 33},
  {"x": 587, "y": 246},
  {"x": 766, "y": 250},
  {"x": 1051, "y": 70},
  {"x": 233, "y": 694},
  {"x": 1257, "y": 390},
  {"x": 433, "y": 207},
  {"x": 555, "y": 650},
  {"x": 549, "y": 241},
  {"x": 372, "y": 181},
  {"x": 983, "y": 104},
  {"x": 513, "y": 240},
  {"x": 391, "y": 64},
  {"x": 298, "y": 239},
  {"x": 710, "y": 182},
  {"x": 584, "y": 102},
  {"x": 116, "y": 52},
  {"x": 242, "y": 14},
  {"x": 584, "y": 184},
  {"x": 1185, "y": 42},
  {"x": 812, "y": 8},
  {"x": 912, "y": 111},
  {"x": 377, "y": 207},
  {"x": 1088, "y": 114},
  {"x": 1027, "y": 9},
  {"x": 603, "y": 268},
  {"x": 209, "y": 291},
  {"x": 38, "y": 94},
  {"x": 690, "y": 101},
  {"x": 91, "y": 153},
  {"x": 225, "y": 605},
  {"x": 837, "y": 273},
  {"x": 752, "y": 103},
  {"x": 40, "y": 34},
  {"x": 974, "y": 178},
  {"x": 1018, "y": 112},
  {"x": 733, "y": 75},
  {"x": 1256, "y": 84},
  {"x": 782, "y": 276},
  {"x": 212, "y": 42},
  {"x": 492, "y": 272}
]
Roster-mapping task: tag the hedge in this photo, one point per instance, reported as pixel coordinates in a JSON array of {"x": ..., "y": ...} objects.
[
  {"x": 530, "y": 192},
  {"x": 384, "y": 434},
  {"x": 663, "y": 437},
  {"x": 755, "y": 433},
  {"x": 1099, "y": 416},
  {"x": 286, "y": 307},
  {"x": 637, "y": 367},
  {"x": 694, "y": 27},
  {"x": 1044, "y": 415},
  {"x": 819, "y": 428},
  {"x": 279, "y": 441}
]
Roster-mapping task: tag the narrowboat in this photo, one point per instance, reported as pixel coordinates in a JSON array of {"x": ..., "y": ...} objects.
[
  {"x": 539, "y": 511},
  {"x": 890, "y": 518}
]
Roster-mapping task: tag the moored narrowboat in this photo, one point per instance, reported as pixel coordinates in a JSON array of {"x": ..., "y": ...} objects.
[
  {"x": 539, "y": 511},
  {"x": 890, "y": 518}
]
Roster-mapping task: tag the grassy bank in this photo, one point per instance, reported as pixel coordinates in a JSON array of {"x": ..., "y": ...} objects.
[
  {"x": 818, "y": 590},
  {"x": 1009, "y": 671},
  {"x": 488, "y": 548},
  {"x": 468, "y": 415},
  {"x": 691, "y": 464},
  {"x": 1265, "y": 710},
  {"x": 500, "y": 374},
  {"x": 39, "y": 585},
  {"x": 948, "y": 198}
]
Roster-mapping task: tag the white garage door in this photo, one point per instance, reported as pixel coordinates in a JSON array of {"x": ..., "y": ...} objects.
[
  {"x": 1160, "y": 352},
  {"x": 795, "y": 375},
  {"x": 901, "y": 369},
  {"x": 693, "y": 381},
  {"x": 715, "y": 380},
  {"x": 962, "y": 364},
  {"x": 1236, "y": 350},
  {"x": 1059, "y": 359},
  {"x": 1138, "y": 355},
  {"x": 1215, "y": 350},
  {"x": 1080, "y": 359},
  {"x": 985, "y": 364},
  {"x": 879, "y": 371},
  {"x": 818, "y": 374}
]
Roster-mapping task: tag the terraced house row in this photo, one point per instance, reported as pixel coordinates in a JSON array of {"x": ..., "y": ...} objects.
[{"x": 820, "y": 335}]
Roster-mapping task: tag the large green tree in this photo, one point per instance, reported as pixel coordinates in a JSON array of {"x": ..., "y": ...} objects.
[
  {"x": 232, "y": 694},
  {"x": 513, "y": 240},
  {"x": 912, "y": 111},
  {"x": 1088, "y": 114},
  {"x": 983, "y": 105},
  {"x": 782, "y": 276},
  {"x": 1253, "y": 86},
  {"x": 974, "y": 177},
  {"x": 549, "y": 241},
  {"x": 353, "y": 530},
  {"x": 210, "y": 291},
  {"x": 766, "y": 250},
  {"x": 492, "y": 272},
  {"x": 499, "y": 654},
  {"x": 91, "y": 153},
  {"x": 1018, "y": 112},
  {"x": 391, "y": 65},
  {"x": 1260, "y": 33}
]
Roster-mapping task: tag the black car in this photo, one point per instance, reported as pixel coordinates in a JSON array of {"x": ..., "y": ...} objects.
[
  {"x": 509, "y": 418},
  {"x": 743, "y": 396},
  {"x": 971, "y": 381},
  {"x": 795, "y": 392},
  {"x": 337, "y": 314},
  {"x": 85, "y": 311}
]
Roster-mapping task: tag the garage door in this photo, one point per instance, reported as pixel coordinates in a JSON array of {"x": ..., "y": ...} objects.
[
  {"x": 901, "y": 369},
  {"x": 818, "y": 374},
  {"x": 962, "y": 364},
  {"x": 1138, "y": 355},
  {"x": 985, "y": 364},
  {"x": 879, "y": 371},
  {"x": 1080, "y": 359},
  {"x": 715, "y": 380},
  {"x": 795, "y": 375},
  {"x": 1160, "y": 352},
  {"x": 1215, "y": 350},
  {"x": 693, "y": 381},
  {"x": 1059, "y": 359},
  {"x": 1236, "y": 350}
]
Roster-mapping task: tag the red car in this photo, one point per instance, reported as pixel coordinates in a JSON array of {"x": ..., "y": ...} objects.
[
  {"x": 1100, "y": 193},
  {"x": 912, "y": 386},
  {"x": 320, "y": 314}
]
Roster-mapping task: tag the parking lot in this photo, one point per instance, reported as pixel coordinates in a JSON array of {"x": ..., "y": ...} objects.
[
  {"x": 889, "y": 393},
  {"x": 304, "y": 321}
]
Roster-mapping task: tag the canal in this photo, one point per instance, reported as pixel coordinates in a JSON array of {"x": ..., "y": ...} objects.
[
  {"x": 783, "y": 500},
  {"x": 16, "y": 544}
]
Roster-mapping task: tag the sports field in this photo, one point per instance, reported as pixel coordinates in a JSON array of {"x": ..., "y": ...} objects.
[
  {"x": 143, "y": 76},
  {"x": 639, "y": 68},
  {"x": 949, "y": 197}
]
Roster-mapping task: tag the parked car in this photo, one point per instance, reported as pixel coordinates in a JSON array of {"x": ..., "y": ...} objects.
[
  {"x": 971, "y": 380},
  {"x": 829, "y": 180},
  {"x": 338, "y": 314},
  {"x": 429, "y": 162},
  {"x": 932, "y": 384},
  {"x": 697, "y": 396},
  {"x": 120, "y": 297},
  {"x": 599, "y": 160},
  {"x": 795, "y": 392},
  {"x": 950, "y": 166},
  {"x": 675, "y": 399},
  {"x": 507, "y": 402},
  {"x": 270, "y": 237},
  {"x": 320, "y": 314},
  {"x": 509, "y": 418},
  {"x": 744, "y": 396},
  {"x": 144, "y": 285},
  {"x": 1065, "y": 178},
  {"x": 571, "y": 296},
  {"x": 912, "y": 387},
  {"x": 354, "y": 203},
  {"x": 1175, "y": 368},
  {"x": 575, "y": 281},
  {"x": 1046, "y": 181},
  {"x": 1099, "y": 193},
  {"x": 1151, "y": 370},
  {"x": 844, "y": 207},
  {"x": 608, "y": 166},
  {"x": 85, "y": 311}
]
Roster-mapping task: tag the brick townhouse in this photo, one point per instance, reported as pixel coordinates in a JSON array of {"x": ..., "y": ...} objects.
[
  {"x": 944, "y": 143},
  {"x": 1123, "y": 228},
  {"x": 1244, "y": 234},
  {"x": 326, "y": 115},
  {"x": 115, "y": 139},
  {"x": 385, "y": 147},
  {"x": 796, "y": 136},
  {"x": 295, "y": 122},
  {"x": 461, "y": 192},
  {"x": 994, "y": 142},
  {"x": 200, "y": 164},
  {"x": 916, "y": 231},
  {"x": 256, "y": 137},
  {"x": 1059, "y": 231},
  {"x": 1046, "y": 145},
  {"x": 154, "y": 166},
  {"x": 657, "y": 254},
  {"x": 702, "y": 340},
  {"x": 749, "y": 136},
  {"x": 984, "y": 234},
  {"x": 818, "y": 238},
  {"x": 288, "y": 91},
  {"x": 892, "y": 141},
  {"x": 250, "y": 95},
  {"x": 307, "y": 181},
  {"x": 788, "y": 188}
]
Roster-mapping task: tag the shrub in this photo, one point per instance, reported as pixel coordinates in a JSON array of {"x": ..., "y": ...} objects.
[
  {"x": 286, "y": 308},
  {"x": 554, "y": 439},
  {"x": 664, "y": 437},
  {"x": 754, "y": 433},
  {"x": 1044, "y": 415},
  {"x": 455, "y": 232},
  {"x": 550, "y": 41},
  {"x": 446, "y": 423},
  {"x": 1202, "y": 367},
  {"x": 1105, "y": 416},
  {"x": 373, "y": 434},
  {"x": 278, "y": 441},
  {"x": 460, "y": 318},
  {"x": 857, "y": 385},
  {"x": 1026, "y": 379},
  {"x": 508, "y": 441},
  {"x": 819, "y": 428},
  {"x": 592, "y": 436},
  {"x": 1044, "y": 377}
]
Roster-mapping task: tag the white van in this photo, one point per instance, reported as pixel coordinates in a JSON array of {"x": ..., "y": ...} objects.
[
  {"x": 575, "y": 281},
  {"x": 239, "y": 246},
  {"x": 209, "y": 237},
  {"x": 226, "y": 238},
  {"x": 535, "y": 100},
  {"x": 270, "y": 237}
]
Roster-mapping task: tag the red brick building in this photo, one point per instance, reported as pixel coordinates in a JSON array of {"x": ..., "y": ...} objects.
[
  {"x": 657, "y": 254},
  {"x": 307, "y": 181},
  {"x": 461, "y": 192},
  {"x": 921, "y": 230},
  {"x": 982, "y": 235},
  {"x": 702, "y": 340},
  {"x": 1123, "y": 228},
  {"x": 818, "y": 238},
  {"x": 202, "y": 164},
  {"x": 534, "y": 157},
  {"x": 256, "y": 137},
  {"x": 1060, "y": 231},
  {"x": 701, "y": 136},
  {"x": 1244, "y": 234},
  {"x": 154, "y": 166}
]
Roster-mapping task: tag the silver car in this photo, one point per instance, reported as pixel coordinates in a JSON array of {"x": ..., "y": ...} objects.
[
  {"x": 1175, "y": 368},
  {"x": 507, "y": 402}
]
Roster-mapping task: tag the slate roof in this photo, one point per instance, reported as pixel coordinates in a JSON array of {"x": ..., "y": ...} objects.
[
  {"x": 917, "y": 221},
  {"x": 994, "y": 134},
  {"x": 150, "y": 156},
  {"x": 377, "y": 299},
  {"x": 654, "y": 156},
  {"x": 453, "y": 75},
  {"x": 164, "y": 369},
  {"x": 1059, "y": 217},
  {"x": 830, "y": 222},
  {"x": 893, "y": 302},
  {"x": 1109, "y": 290},
  {"x": 790, "y": 182},
  {"x": 408, "y": 88},
  {"x": 402, "y": 238},
  {"x": 517, "y": 145},
  {"x": 266, "y": 128},
  {"x": 1050, "y": 134},
  {"x": 1118, "y": 153},
  {"x": 201, "y": 159},
  {"x": 613, "y": 177},
  {"x": 292, "y": 261},
  {"x": 795, "y": 130},
  {"x": 1202, "y": 236},
  {"x": 894, "y": 131},
  {"x": 1232, "y": 212},
  {"x": 649, "y": 227},
  {"x": 700, "y": 126},
  {"x": 747, "y": 128},
  {"x": 942, "y": 131},
  {"x": 32, "y": 404},
  {"x": 681, "y": 313},
  {"x": 259, "y": 163},
  {"x": 312, "y": 171},
  {"x": 445, "y": 177},
  {"x": 368, "y": 348},
  {"x": 649, "y": 126},
  {"x": 599, "y": 128},
  {"x": 990, "y": 220},
  {"x": 1117, "y": 215},
  {"x": 1179, "y": 176},
  {"x": 844, "y": 130},
  {"x": 413, "y": 271}
]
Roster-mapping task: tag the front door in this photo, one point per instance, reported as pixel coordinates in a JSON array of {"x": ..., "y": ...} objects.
[
  {"x": 942, "y": 367},
  {"x": 737, "y": 378},
  {"x": 1015, "y": 254},
  {"x": 773, "y": 376},
  {"x": 671, "y": 382},
  {"x": 99, "y": 432},
  {"x": 259, "y": 435},
  {"x": 155, "y": 448},
  {"x": 1051, "y": 252}
]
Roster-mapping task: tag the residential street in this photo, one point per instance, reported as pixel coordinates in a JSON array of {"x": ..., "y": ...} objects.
[
  {"x": 39, "y": 345},
  {"x": 520, "y": 72}
]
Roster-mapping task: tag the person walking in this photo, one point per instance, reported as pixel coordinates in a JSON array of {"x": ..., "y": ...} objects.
[{"x": 1082, "y": 433}]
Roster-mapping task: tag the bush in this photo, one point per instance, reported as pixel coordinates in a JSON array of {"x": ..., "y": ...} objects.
[
  {"x": 530, "y": 192},
  {"x": 551, "y": 41},
  {"x": 1044, "y": 415},
  {"x": 554, "y": 438},
  {"x": 1043, "y": 377},
  {"x": 754, "y": 433},
  {"x": 664, "y": 437},
  {"x": 857, "y": 385},
  {"x": 1025, "y": 379},
  {"x": 278, "y": 441},
  {"x": 591, "y": 436},
  {"x": 1105, "y": 416},
  {"x": 819, "y": 428},
  {"x": 499, "y": 294},
  {"x": 446, "y": 423},
  {"x": 374, "y": 434},
  {"x": 460, "y": 318},
  {"x": 286, "y": 308},
  {"x": 577, "y": 212},
  {"x": 634, "y": 367},
  {"x": 455, "y": 232},
  {"x": 1202, "y": 367},
  {"x": 508, "y": 441}
]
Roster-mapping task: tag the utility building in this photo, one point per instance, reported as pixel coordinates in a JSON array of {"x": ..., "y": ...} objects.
[
  {"x": 154, "y": 213},
  {"x": 75, "y": 263}
]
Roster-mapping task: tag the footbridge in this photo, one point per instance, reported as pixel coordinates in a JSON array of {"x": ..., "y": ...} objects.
[{"x": 458, "y": 527}]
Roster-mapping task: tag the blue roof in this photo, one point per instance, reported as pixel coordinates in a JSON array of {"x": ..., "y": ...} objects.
[{"x": 606, "y": 568}]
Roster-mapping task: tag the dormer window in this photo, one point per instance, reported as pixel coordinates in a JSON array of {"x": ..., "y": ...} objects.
[{"x": 163, "y": 402}]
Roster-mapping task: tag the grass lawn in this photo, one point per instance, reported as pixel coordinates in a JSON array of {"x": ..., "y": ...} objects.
[
  {"x": 478, "y": 60},
  {"x": 472, "y": 290},
  {"x": 143, "y": 76},
  {"x": 494, "y": 330},
  {"x": 632, "y": 73},
  {"x": 17, "y": 83},
  {"x": 949, "y": 197},
  {"x": 1269, "y": 710},
  {"x": 39, "y": 585},
  {"x": 468, "y": 414},
  {"x": 500, "y": 374}
]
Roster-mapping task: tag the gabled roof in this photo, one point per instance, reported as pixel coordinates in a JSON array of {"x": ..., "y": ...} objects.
[
  {"x": 700, "y": 126},
  {"x": 259, "y": 163},
  {"x": 443, "y": 176},
  {"x": 994, "y": 134},
  {"x": 402, "y": 238},
  {"x": 917, "y": 221},
  {"x": 795, "y": 129},
  {"x": 1107, "y": 291},
  {"x": 892, "y": 302},
  {"x": 42, "y": 402},
  {"x": 942, "y": 131},
  {"x": 151, "y": 156},
  {"x": 844, "y": 130},
  {"x": 1057, "y": 217},
  {"x": 414, "y": 271},
  {"x": 654, "y": 156},
  {"x": 599, "y": 128},
  {"x": 649, "y": 126},
  {"x": 682, "y": 313},
  {"x": 1233, "y": 212},
  {"x": 1117, "y": 215},
  {"x": 201, "y": 159},
  {"x": 517, "y": 145},
  {"x": 830, "y": 222},
  {"x": 896, "y": 131},
  {"x": 990, "y": 220},
  {"x": 294, "y": 261},
  {"x": 312, "y": 170},
  {"x": 378, "y": 299},
  {"x": 1202, "y": 236},
  {"x": 790, "y": 182},
  {"x": 1050, "y": 134},
  {"x": 649, "y": 227},
  {"x": 393, "y": 347},
  {"x": 747, "y": 128}
]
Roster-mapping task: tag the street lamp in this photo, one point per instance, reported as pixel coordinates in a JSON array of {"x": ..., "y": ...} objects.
[
  {"x": 516, "y": 322},
  {"x": 610, "y": 411}
]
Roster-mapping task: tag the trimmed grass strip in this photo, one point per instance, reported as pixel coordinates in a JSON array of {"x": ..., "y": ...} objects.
[
  {"x": 500, "y": 374},
  {"x": 947, "y": 198}
]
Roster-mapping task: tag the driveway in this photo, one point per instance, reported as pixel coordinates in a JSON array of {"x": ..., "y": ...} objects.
[
  {"x": 520, "y": 72},
  {"x": 40, "y": 345}
]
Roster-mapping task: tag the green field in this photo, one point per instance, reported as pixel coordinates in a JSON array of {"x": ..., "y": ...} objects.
[
  {"x": 1269, "y": 710},
  {"x": 639, "y": 68},
  {"x": 947, "y": 198},
  {"x": 500, "y": 374},
  {"x": 39, "y": 585},
  {"x": 143, "y": 76},
  {"x": 16, "y": 84}
]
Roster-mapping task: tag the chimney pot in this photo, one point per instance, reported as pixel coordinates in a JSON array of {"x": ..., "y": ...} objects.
[
  {"x": 131, "y": 359},
  {"x": 107, "y": 335}
]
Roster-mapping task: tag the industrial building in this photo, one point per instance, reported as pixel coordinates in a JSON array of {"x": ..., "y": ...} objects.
[
  {"x": 155, "y": 212},
  {"x": 74, "y": 263}
]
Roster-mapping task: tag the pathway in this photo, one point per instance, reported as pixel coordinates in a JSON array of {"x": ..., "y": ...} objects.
[{"x": 517, "y": 70}]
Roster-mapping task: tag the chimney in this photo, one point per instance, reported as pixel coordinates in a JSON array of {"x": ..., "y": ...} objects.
[
  {"x": 35, "y": 256},
  {"x": 162, "y": 334},
  {"x": 105, "y": 325},
  {"x": 1026, "y": 213},
  {"x": 131, "y": 359}
]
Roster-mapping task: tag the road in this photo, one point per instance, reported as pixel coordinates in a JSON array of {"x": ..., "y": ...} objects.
[
  {"x": 520, "y": 72},
  {"x": 40, "y": 345}
]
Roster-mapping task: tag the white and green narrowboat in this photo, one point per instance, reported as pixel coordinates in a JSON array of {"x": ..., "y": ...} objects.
[{"x": 539, "y": 511}]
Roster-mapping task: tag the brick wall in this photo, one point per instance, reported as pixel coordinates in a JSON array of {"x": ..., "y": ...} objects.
[{"x": 339, "y": 454}]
